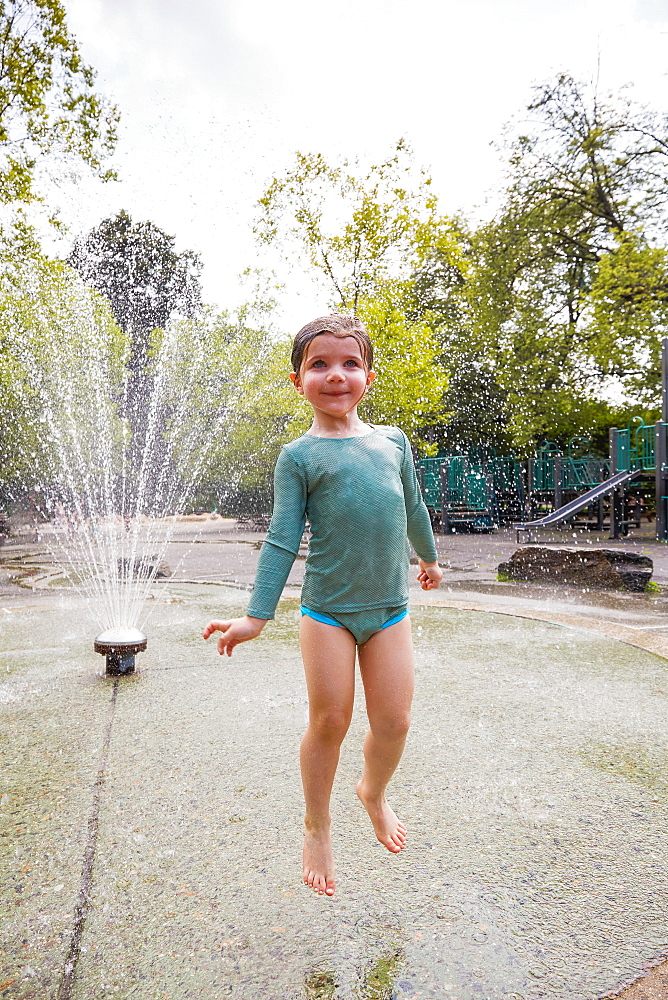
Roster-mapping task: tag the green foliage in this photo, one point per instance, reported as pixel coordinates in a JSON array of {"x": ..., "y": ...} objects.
[
  {"x": 477, "y": 406},
  {"x": 387, "y": 256},
  {"x": 435, "y": 289},
  {"x": 238, "y": 396},
  {"x": 565, "y": 296},
  {"x": 134, "y": 265},
  {"x": 494, "y": 338},
  {"x": 629, "y": 314},
  {"x": 48, "y": 103},
  {"x": 543, "y": 315},
  {"x": 595, "y": 164},
  {"x": 410, "y": 382},
  {"x": 62, "y": 361},
  {"x": 356, "y": 228},
  {"x": 51, "y": 119}
]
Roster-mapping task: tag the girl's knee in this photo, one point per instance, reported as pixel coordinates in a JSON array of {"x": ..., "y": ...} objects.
[
  {"x": 330, "y": 723},
  {"x": 391, "y": 727}
]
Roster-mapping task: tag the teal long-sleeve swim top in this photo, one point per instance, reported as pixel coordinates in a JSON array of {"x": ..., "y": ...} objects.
[{"x": 362, "y": 501}]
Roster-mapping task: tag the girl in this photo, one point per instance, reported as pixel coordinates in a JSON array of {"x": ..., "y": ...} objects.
[{"x": 356, "y": 485}]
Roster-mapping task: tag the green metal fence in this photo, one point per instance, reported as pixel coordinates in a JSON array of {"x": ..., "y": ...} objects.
[
  {"x": 508, "y": 475},
  {"x": 583, "y": 473},
  {"x": 635, "y": 446},
  {"x": 645, "y": 447},
  {"x": 466, "y": 482},
  {"x": 542, "y": 474},
  {"x": 430, "y": 472},
  {"x": 496, "y": 483}
]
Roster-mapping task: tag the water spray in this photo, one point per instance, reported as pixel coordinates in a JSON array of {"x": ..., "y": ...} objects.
[{"x": 110, "y": 460}]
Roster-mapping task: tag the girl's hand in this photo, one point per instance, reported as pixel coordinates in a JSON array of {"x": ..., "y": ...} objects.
[
  {"x": 430, "y": 575},
  {"x": 234, "y": 631}
]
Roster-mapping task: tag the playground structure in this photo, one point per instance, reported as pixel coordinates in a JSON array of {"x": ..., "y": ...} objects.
[{"x": 551, "y": 488}]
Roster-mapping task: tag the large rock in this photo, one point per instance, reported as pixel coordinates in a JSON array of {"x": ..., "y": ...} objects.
[{"x": 601, "y": 568}]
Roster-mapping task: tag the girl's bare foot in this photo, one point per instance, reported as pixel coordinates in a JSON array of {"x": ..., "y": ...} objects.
[
  {"x": 390, "y": 831},
  {"x": 318, "y": 861}
]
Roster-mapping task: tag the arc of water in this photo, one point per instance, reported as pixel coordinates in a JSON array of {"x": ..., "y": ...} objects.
[
  {"x": 221, "y": 422},
  {"x": 66, "y": 356}
]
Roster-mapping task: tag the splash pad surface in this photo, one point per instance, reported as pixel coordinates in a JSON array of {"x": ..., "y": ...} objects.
[{"x": 533, "y": 786}]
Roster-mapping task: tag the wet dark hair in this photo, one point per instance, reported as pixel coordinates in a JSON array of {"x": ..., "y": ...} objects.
[{"x": 338, "y": 326}]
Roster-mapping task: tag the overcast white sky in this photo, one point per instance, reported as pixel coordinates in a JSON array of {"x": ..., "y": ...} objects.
[{"x": 216, "y": 95}]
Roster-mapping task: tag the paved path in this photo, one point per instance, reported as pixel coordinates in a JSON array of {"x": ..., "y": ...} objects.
[{"x": 109, "y": 786}]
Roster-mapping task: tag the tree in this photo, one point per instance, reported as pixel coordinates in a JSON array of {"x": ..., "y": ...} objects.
[
  {"x": 135, "y": 266},
  {"x": 51, "y": 118},
  {"x": 629, "y": 314},
  {"x": 541, "y": 313},
  {"x": 597, "y": 163},
  {"x": 356, "y": 228},
  {"x": 473, "y": 409},
  {"x": 232, "y": 405},
  {"x": 62, "y": 360},
  {"x": 369, "y": 233},
  {"x": 586, "y": 193},
  {"x": 410, "y": 382},
  {"x": 48, "y": 104}
]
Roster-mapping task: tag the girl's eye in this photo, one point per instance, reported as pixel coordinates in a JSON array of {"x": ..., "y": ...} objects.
[
  {"x": 352, "y": 362},
  {"x": 317, "y": 364}
]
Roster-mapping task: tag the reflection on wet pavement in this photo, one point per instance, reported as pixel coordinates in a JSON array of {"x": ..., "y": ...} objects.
[{"x": 533, "y": 787}]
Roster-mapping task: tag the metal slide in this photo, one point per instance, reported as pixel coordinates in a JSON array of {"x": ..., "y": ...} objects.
[{"x": 563, "y": 513}]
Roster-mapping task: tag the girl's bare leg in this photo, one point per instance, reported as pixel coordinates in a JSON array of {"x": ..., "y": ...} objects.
[
  {"x": 386, "y": 664},
  {"x": 328, "y": 653}
]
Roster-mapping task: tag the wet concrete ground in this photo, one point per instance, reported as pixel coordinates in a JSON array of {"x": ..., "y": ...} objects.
[{"x": 167, "y": 807}]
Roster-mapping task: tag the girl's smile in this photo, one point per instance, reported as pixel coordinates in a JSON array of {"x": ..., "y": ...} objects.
[{"x": 333, "y": 378}]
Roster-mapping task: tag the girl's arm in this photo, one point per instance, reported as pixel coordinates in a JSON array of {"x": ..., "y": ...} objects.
[
  {"x": 276, "y": 558},
  {"x": 281, "y": 545},
  {"x": 420, "y": 533}
]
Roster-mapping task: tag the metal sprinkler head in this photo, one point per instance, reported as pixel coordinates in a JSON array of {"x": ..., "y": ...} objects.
[{"x": 120, "y": 645}]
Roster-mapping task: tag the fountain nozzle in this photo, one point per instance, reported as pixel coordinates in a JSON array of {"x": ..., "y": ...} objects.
[{"x": 120, "y": 645}]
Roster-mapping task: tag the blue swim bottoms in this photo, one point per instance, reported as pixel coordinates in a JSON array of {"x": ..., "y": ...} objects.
[{"x": 361, "y": 624}]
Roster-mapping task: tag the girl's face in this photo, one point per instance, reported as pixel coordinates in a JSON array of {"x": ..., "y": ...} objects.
[{"x": 333, "y": 377}]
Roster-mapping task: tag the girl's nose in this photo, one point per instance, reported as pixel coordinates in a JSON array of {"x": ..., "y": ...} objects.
[{"x": 334, "y": 375}]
